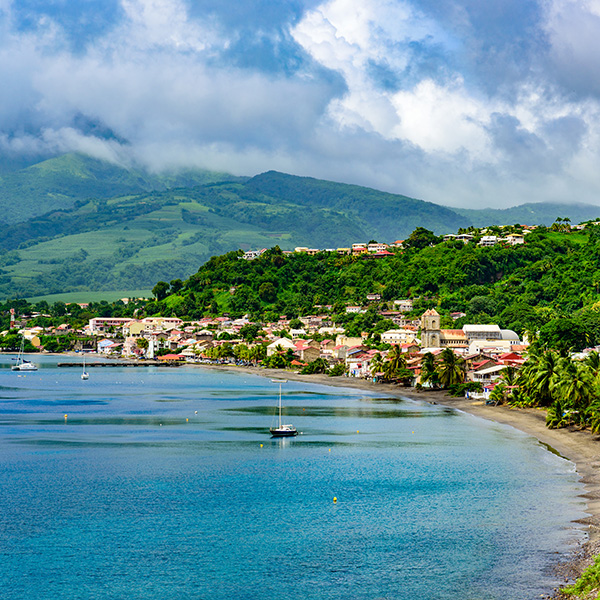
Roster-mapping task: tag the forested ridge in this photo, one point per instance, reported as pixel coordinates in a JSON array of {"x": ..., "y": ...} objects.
[{"x": 552, "y": 279}]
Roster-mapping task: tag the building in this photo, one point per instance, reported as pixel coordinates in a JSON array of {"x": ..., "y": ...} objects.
[
  {"x": 430, "y": 329},
  {"x": 405, "y": 305},
  {"x": 514, "y": 238},
  {"x": 398, "y": 336},
  {"x": 100, "y": 324},
  {"x": 488, "y": 240},
  {"x": 482, "y": 332}
]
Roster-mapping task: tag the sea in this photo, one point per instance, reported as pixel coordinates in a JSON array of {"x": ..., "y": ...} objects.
[{"x": 164, "y": 483}]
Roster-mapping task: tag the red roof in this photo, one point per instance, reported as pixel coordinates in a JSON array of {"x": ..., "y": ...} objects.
[{"x": 170, "y": 357}]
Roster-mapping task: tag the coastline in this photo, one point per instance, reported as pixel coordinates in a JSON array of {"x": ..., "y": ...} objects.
[{"x": 582, "y": 448}]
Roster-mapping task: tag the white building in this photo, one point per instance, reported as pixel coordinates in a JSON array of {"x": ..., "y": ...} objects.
[
  {"x": 398, "y": 336},
  {"x": 488, "y": 240}
]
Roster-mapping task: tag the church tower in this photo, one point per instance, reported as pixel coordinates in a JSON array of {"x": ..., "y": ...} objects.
[{"x": 430, "y": 329}]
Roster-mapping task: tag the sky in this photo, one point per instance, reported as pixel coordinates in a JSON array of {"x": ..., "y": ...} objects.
[{"x": 463, "y": 103}]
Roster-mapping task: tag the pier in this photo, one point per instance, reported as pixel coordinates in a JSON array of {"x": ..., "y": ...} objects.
[{"x": 145, "y": 363}]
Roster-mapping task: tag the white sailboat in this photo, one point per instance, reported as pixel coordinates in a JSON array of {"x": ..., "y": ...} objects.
[
  {"x": 84, "y": 375},
  {"x": 22, "y": 364},
  {"x": 282, "y": 430}
]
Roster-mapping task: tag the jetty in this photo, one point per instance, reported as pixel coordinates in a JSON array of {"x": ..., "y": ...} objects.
[{"x": 124, "y": 363}]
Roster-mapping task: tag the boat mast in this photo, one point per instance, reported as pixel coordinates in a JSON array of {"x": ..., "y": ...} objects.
[{"x": 280, "y": 405}]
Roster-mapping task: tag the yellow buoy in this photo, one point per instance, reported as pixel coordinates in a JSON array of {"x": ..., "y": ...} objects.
[
  {"x": 334, "y": 499},
  {"x": 65, "y": 416},
  {"x": 329, "y": 449},
  {"x": 261, "y": 445},
  {"x": 187, "y": 420},
  {"x": 357, "y": 431}
]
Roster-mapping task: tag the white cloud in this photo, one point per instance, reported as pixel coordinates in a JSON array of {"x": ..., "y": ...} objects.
[{"x": 160, "y": 80}]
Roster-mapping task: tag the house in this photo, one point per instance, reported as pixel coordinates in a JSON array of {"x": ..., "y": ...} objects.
[
  {"x": 373, "y": 297},
  {"x": 355, "y": 309},
  {"x": 308, "y": 350},
  {"x": 252, "y": 254},
  {"x": 342, "y": 340},
  {"x": 488, "y": 240},
  {"x": 464, "y": 237},
  {"x": 487, "y": 375},
  {"x": 280, "y": 344},
  {"x": 405, "y": 305},
  {"x": 376, "y": 247},
  {"x": 100, "y": 324},
  {"x": 514, "y": 238},
  {"x": 398, "y": 336}
]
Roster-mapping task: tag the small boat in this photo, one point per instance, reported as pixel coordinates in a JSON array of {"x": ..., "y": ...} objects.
[
  {"x": 84, "y": 375},
  {"x": 22, "y": 364},
  {"x": 282, "y": 430}
]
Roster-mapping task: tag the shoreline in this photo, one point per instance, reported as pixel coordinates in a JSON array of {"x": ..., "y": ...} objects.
[{"x": 580, "y": 447}]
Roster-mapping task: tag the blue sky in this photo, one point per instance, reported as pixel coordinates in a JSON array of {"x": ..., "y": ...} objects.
[{"x": 464, "y": 103}]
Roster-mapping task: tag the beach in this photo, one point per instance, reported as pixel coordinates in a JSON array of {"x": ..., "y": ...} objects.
[{"x": 578, "y": 446}]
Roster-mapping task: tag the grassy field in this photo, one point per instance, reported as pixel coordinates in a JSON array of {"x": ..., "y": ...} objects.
[{"x": 81, "y": 297}]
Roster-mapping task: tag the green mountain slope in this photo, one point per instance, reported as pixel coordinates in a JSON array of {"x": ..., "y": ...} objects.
[
  {"x": 58, "y": 182},
  {"x": 381, "y": 215},
  {"x": 75, "y": 223},
  {"x": 542, "y": 213}
]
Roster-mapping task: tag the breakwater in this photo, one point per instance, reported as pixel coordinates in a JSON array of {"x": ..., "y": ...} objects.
[{"x": 145, "y": 363}]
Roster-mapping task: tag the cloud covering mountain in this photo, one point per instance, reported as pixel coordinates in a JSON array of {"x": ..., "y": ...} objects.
[{"x": 462, "y": 103}]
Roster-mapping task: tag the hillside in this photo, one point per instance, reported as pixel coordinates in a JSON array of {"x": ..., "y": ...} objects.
[
  {"x": 380, "y": 215},
  {"x": 551, "y": 278},
  {"x": 76, "y": 224},
  {"x": 58, "y": 183},
  {"x": 542, "y": 213}
]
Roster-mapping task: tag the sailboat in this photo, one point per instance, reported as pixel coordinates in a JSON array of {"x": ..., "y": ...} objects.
[
  {"x": 22, "y": 364},
  {"x": 84, "y": 375},
  {"x": 282, "y": 430}
]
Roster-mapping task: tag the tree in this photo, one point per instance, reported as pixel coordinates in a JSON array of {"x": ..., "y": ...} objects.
[
  {"x": 176, "y": 286},
  {"x": 267, "y": 292},
  {"x": 451, "y": 368},
  {"x": 160, "y": 290},
  {"x": 429, "y": 373},
  {"x": 421, "y": 238}
]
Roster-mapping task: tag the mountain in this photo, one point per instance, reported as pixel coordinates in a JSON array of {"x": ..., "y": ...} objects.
[
  {"x": 58, "y": 183},
  {"x": 539, "y": 213},
  {"x": 380, "y": 215},
  {"x": 75, "y": 223}
]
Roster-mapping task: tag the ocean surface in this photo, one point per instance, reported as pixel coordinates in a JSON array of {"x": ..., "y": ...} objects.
[{"x": 150, "y": 483}]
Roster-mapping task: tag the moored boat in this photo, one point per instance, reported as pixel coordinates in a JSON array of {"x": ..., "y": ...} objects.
[{"x": 282, "y": 430}]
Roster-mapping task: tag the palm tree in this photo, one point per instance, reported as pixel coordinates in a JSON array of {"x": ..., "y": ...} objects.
[
  {"x": 509, "y": 375},
  {"x": 396, "y": 357},
  {"x": 428, "y": 372},
  {"x": 574, "y": 383},
  {"x": 543, "y": 375},
  {"x": 376, "y": 365},
  {"x": 592, "y": 360},
  {"x": 451, "y": 368}
]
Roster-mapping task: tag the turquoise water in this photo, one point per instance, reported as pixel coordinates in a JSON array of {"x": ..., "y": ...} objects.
[{"x": 156, "y": 486}]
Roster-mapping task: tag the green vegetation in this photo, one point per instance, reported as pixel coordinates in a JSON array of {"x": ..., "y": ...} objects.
[
  {"x": 588, "y": 585},
  {"x": 550, "y": 285},
  {"x": 76, "y": 224}
]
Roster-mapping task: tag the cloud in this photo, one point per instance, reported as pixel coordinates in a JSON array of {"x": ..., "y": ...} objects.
[{"x": 457, "y": 103}]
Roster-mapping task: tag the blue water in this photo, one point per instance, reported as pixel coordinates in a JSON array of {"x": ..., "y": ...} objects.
[{"x": 156, "y": 486}]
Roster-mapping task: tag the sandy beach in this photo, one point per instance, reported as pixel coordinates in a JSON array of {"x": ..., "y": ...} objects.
[{"x": 580, "y": 447}]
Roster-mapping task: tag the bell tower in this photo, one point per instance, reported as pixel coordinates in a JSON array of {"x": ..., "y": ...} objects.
[{"x": 430, "y": 329}]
